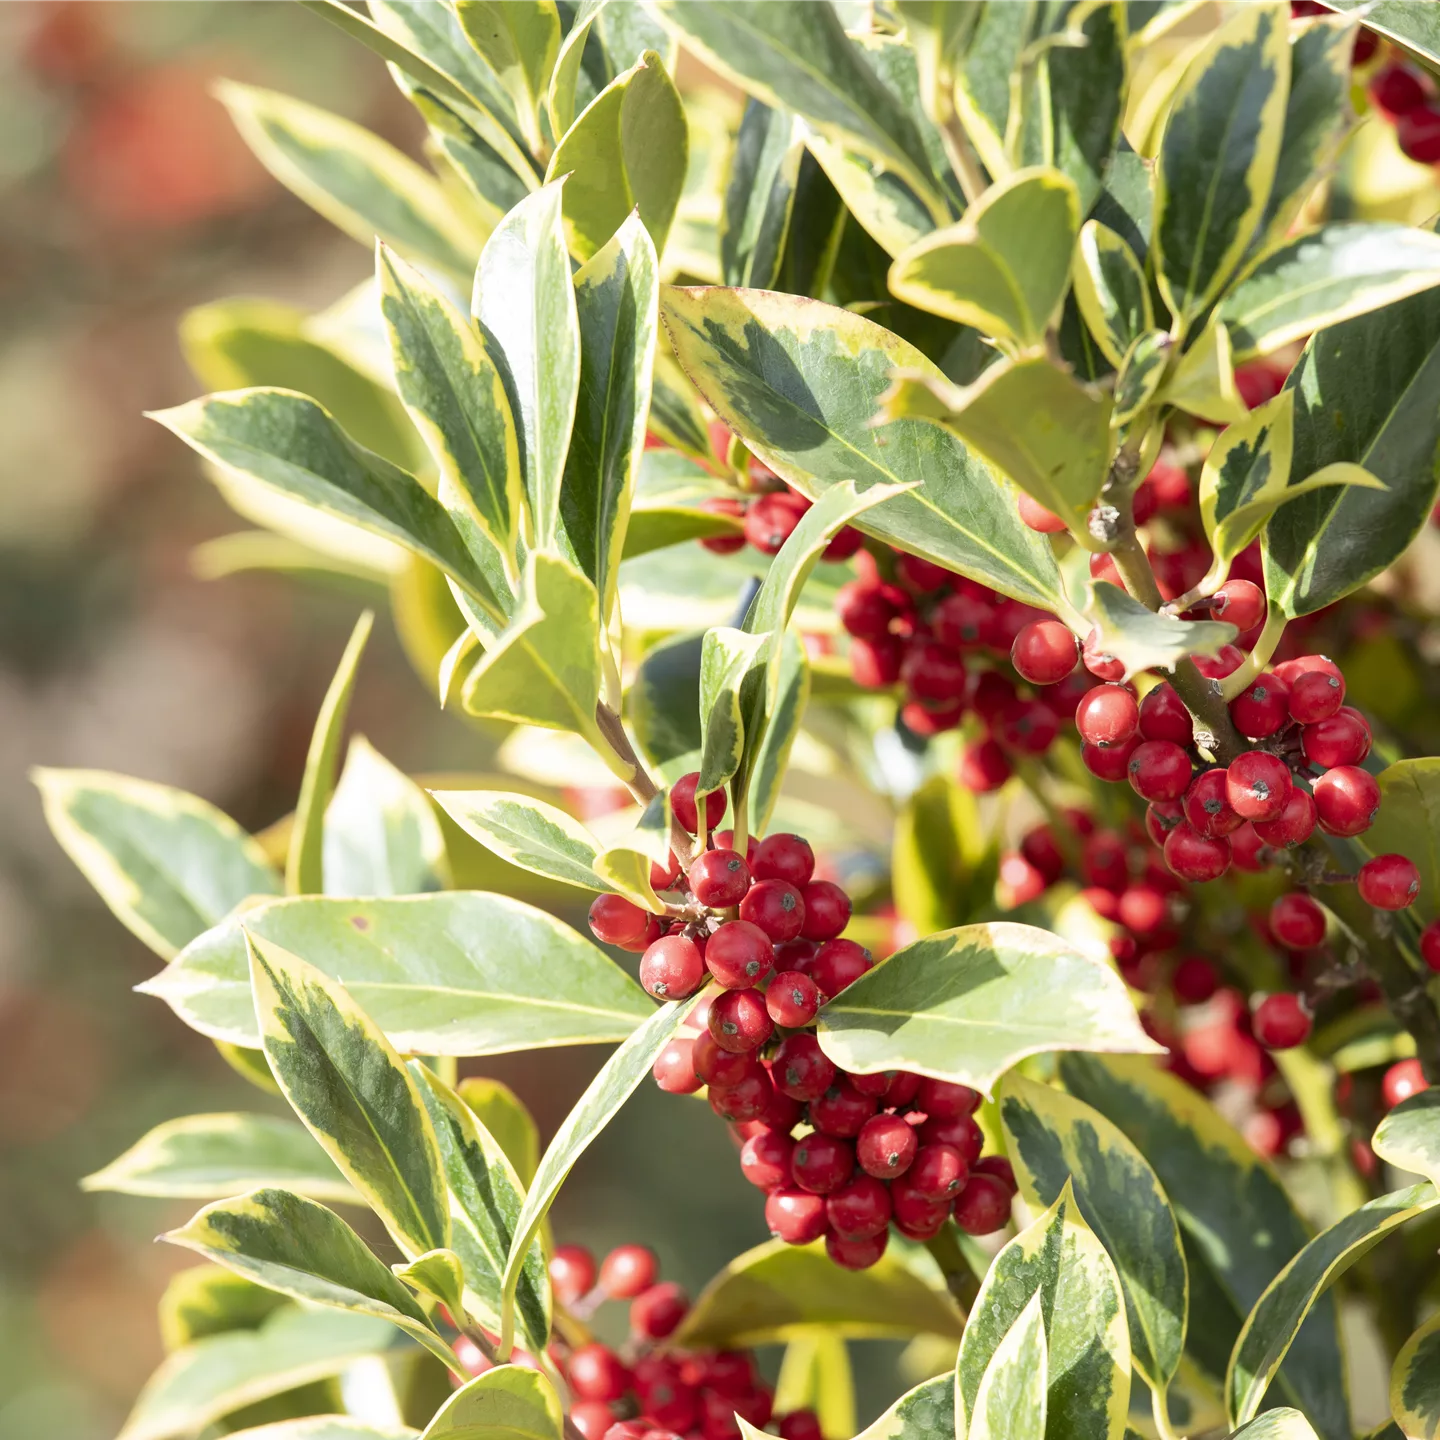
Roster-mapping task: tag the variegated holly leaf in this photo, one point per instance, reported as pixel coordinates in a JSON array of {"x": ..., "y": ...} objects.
[
  {"x": 1142, "y": 639},
  {"x": 1012, "y": 1400},
  {"x": 1409, "y": 1136},
  {"x": 1111, "y": 290},
  {"x": 1415, "y": 1383},
  {"x": 520, "y": 43},
  {"x": 925, "y": 1413},
  {"x": 509, "y": 1401}
]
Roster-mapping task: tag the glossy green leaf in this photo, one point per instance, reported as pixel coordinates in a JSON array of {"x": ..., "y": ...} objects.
[
  {"x": 1218, "y": 156},
  {"x": 1317, "y": 119},
  {"x": 866, "y": 193},
  {"x": 205, "y": 1300},
  {"x": 1415, "y": 1383},
  {"x": 1367, "y": 393},
  {"x": 1111, "y": 290},
  {"x": 450, "y": 974},
  {"x": 785, "y": 711},
  {"x": 560, "y": 98},
  {"x": 799, "y": 57},
  {"x": 520, "y": 41},
  {"x": 1413, "y": 27},
  {"x": 381, "y": 836},
  {"x": 1142, "y": 639},
  {"x": 356, "y": 180},
  {"x": 654, "y": 527},
  {"x": 326, "y": 1427},
  {"x": 675, "y": 414},
  {"x": 1011, "y": 1401},
  {"x": 982, "y": 93},
  {"x": 925, "y": 1413},
  {"x": 1239, "y": 1225},
  {"x": 616, "y": 301},
  {"x": 759, "y": 196},
  {"x": 1059, "y": 1259},
  {"x": 1409, "y": 1136},
  {"x": 486, "y": 1196},
  {"x": 815, "y": 1374},
  {"x": 1140, "y": 376},
  {"x": 544, "y": 668},
  {"x": 168, "y": 864},
  {"x": 725, "y": 658},
  {"x": 942, "y": 861},
  {"x": 456, "y": 397},
  {"x": 1270, "y": 1328},
  {"x": 1332, "y": 274},
  {"x": 305, "y": 856},
  {"x": 439, "y": 1274},
  {"x": 800, "y": 382},
  {"x": 343, "y": 1078},
  {"x": 204, "y": 1157},
  {"x": 1282, "y": 1424},
  {"x": 966, "y": 1004},
  {"x": 290, "y": 445},
  {"x": 777, "y": 1291},
  {"x": 625, "y": 865},
  {"x": 198, "y": 1385},
  {"x": 525, "y": 304},
  {"x": 592, "y": 1112},
  {"x": 626, "y": 151},
  {"x": 1031, "y": 420},
  {"x": 494, "y": 171},
  {"x": 663, "y": 704},
  {"x": 1052, "y": 1139},
  {"x": 1006, "y": 266},
  {"x": 508, "y": 1402},
  {"x": 500, "y": 1110},
  {"x": 1203, "y": 381},
  {"x": 303, "y": 1250}
]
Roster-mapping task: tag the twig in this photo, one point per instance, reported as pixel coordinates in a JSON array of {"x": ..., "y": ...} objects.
[
  {"x": 959, "y": 1277},
  {"x": 963, "y": 159},
  {"x": 638, "y": 781}
]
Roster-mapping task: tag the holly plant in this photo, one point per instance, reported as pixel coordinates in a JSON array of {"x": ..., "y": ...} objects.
[{"x": 885, "y": 497}]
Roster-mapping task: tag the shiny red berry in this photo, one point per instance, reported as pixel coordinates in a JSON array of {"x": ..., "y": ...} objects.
[
  {"x": 983, "y": 766},
  {"x": 1207, "y": 806},
  {"x": 1163, "y": 716},
  {"x": 938, "y": 1171},
  {"x": 739, "y": 955},
  {"x": 960, "y": 1132},
  {"x": 617, "y": 921},
  {"x": 1044, "y": 652},
  {"x": 916, "y": 1215},
  {"x": 983, "y": 1206},
  {"x": 944, "y": 1100},
  {"x": 845, "y": 543},
  {"x": 1239, "y": 603},
  {"x": 1297, "y": 922},
  {"x": 885, "y": 1147},
  {"x": 1196, "y": 857},
  {"x": 719, "y": 879},
  {"x": 1430, "y": 945},
  {"x": 1293, "y": 826},
  {"x": 842, "y": 1110},
  {"x": 796, "y": 1216},
  {"x": 771, "y": 519},
  {"x": 1000, "y": 1168},
  {"x": 749, "y": 1100},
  {"x": 792, "y": 999},
  {"x": 1098, "y": 662},
  {"x": 1281, "y": 1022},
  {"x": 838, "y": 963},
  {"x": 572, "y": 1273},
  {"x": 674, "y": 1068},
  {"x": 1402, "y": 1080},
  {"x": 1159, "y": 770},
  {"x": 592, "y": 1418},
  {"x": 1316, "y": 695},
  {"x": 875, "y": 664},
  {"x": 1112, "y": 764},
  {"x": 1343, "y": 739},
  {"x": 682, "y": 803},
  {"x": 776, "y": 907},
  {"x": 1225, "y": 662},
  {"x": 658, "y": 1311},
  {"x": 1107, "y": 716},
  {"x": 672, "y": 968},
  {"x": 1418, "y": 134},
  {"x": 627, "y": 1270},
  {"x": 765, "y": 1159},
  {"x": 739, "y": 1021},
  {"x": 867, "y": 608},
  {"x": 933, "y": 672},
  {"x": 1346, "y": 800},
  {"x": 1388, "y": 882},
  {"x": 784, "y": 857},
  {"x": 963, "y": 621},
  {"x": 1027, "y": 727},
  {"x": 827, "y": 910},
  {"x": 721, "y": 1067},
  {"x": 801, "y": 1069},
  {"x": 860, "y": 1208},
  {"x": 1037, "y": 517},
  {"x": 1262, "y": 708},
  {"x": 822, "y": 1163},
  {"x": 1257, "y": 785},
  {"x": 1397, "y": 88},
  {"x": 1245, "y": 849},
  {"x": 856, "y": 1254},
  {"x": 1194, "y": 980}
]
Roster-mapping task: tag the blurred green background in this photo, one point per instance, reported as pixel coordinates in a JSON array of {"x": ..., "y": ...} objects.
[{"x": 125, "y": 199}]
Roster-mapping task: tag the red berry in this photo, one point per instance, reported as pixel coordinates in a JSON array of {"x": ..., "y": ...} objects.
[
  {"x": 846, "y": 542},
  {"x": 1112, "y": 764},
  {"x": 1297, "y": 922},
  {"x": 856, "y": 1254},
  {"x": 724, "y": 1068},
  {"x": 771, "y": 519},
  {"x": 1316, "y": 695},
  {"x": 1207, "y": 807},
  {"x": 885, "y": 1147},
  {"x": 859, "y": 1209},
  {"x": 1262, "y": 708},
  {"x": 903, "y": 1087},
  {"x": 842, "y": 1110},
  {"x": 800, "y": 1425},
  {"x": 616, "y": 921},
  {"x": 682, "y": 803},
  {"x": 866, "y": 608},
  {"x": 627, "y": 1270},
  {"x": 765, "y": 1159},
  {"x": 725, "y": 840},
  {"x": 801, "y": 1069},
  {"x": 1103, "y": 567},
  {"x": 1239, "y": 603},
  {"x": 1257, "y": 785},
  {"x": 988, "y": 694},
  {"x": 1097, "y": 662},
  {"x": 1402, "y": 1080},
  {"x": 1245, "y": 848},
  {"x": 916, "y": 1215},
  {"x": 1039, "y": 847},
  {"x": 838, "y": 963},
  {"x": 1216, "y": 667},
  {"x": 719, "y": 879},
  {"x": 792, "y": 999},
  {"x": 920, "y": 574},
  {"x": 1430, "y": 945},
  {"x": 1388, "y": 882},
  {"x": 795, "y": 1216},
  {"x": 1037, "y": 517},
  {"x": 1346, "y": 800},
  {"x": 739, "y": 955},
  {"x": 822, "y": 1163},
  {"x": 933, "y": 672},
  {"x": 938, "y": 1171},
  {"x": 725, "y": 543},
  {"x": 739, "y": 1021},
  {"x": 749, "y": 1100},
  {"x": 983, "y": 1206},
  {"x": 1397, "y": 89},
  {"x": 1163, "y": 716},
  {"x": 960, "y": 1132},
  {"x": 1144, "y": 503},
  {"x": 1281, "y": 1021},
  {"x": 1161, "y": 817},
  {"x": 1026, "y": 726},
  {"x": 596, "y": 1372},
  {"x": 784, "y": 857},
  {"x": 572, "y": 1273},
  {"x": 963, "y": 621},
  {"x": 875, "y": 664},
  {"x": 592, "y": 1418},
  {"x": 943, "y": 1100},
  {"x": 1196, "y": 857},
  {"x": 927, "y": 720},
  {"x": 1343, "y": 739},
  {"x": 1000, "y": 1168},
  {"x": 658, "y": 1311},
  {"x": 1020, "y": 882},
  {"x": 827, "y": 910},
  {"x": 1159, "y": 770},
  {"x": 983, "y": 766},
  {"x": 672, "y": 968},
  {"x": 1418, "y": 132},
  {"x": 776, "y": 907},
  {"x": 1108, "y": 716},
  {"x": 1103, "y": 860},
  {"x": 1171, "y": 485},
  {"x": 1044, "y": 652},
  {"x": 1293, "y": 826},
  {"x": 1144, "y": 909},
  {"x": 674, "y": 1068},
  {"x": 1194, "y": 980}
]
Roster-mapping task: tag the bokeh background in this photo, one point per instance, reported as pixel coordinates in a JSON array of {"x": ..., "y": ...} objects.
[{"x": 126, "y": 199}]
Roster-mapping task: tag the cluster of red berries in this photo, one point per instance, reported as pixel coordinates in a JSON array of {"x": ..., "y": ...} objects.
[
  {"x": 769, "y": 516},
  {"x": 1406, "y": 96},
  {"x": 873, "y": 1150}
]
